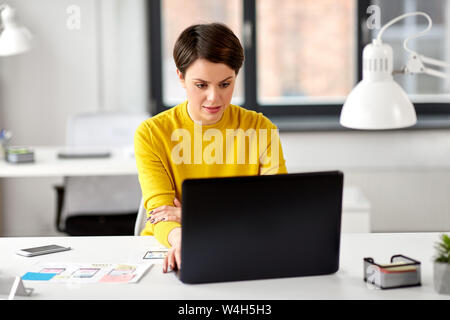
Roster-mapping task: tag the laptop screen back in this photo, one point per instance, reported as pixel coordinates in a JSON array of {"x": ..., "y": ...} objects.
[{"x": 258, "y": 227}]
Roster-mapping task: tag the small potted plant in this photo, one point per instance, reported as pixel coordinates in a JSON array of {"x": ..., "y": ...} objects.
[{"x": 442, "y": 265}]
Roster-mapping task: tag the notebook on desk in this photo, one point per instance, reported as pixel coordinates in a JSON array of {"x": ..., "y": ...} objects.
[{"x": 259, "y": 227}]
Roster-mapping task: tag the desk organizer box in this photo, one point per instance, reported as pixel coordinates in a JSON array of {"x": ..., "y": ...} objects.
[
  {"x": 19, "y": 155},
  {"x": 400, "y": 272}
]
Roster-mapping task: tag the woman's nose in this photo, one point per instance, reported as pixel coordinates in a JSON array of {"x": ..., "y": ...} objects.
[{"x": 213, "y": 94}]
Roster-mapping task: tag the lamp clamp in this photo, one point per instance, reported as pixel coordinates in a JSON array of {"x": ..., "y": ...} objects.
[{"x": 417, "y": 64}]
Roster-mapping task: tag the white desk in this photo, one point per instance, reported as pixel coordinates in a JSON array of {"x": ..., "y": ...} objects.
[
  {"x": 356, "y": 208},
  {"x": 347, "y": 283},
  {"x": 47, "y": 164}
]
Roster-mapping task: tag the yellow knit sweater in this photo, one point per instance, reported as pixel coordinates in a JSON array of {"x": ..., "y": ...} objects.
[{"x": 170, "y": 147}]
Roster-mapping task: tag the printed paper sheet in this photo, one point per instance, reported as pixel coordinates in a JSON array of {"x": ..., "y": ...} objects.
[{"x": 87, "y": 272}]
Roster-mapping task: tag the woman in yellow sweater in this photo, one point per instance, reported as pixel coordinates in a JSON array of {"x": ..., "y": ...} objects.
[{"x": 205, "y": 136}]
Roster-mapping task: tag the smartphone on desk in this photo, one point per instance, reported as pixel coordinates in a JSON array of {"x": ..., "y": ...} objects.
[{"x": 37, "y": 251}]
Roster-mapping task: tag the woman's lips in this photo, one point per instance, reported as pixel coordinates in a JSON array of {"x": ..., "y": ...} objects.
[{"x": 212, "y": 109}]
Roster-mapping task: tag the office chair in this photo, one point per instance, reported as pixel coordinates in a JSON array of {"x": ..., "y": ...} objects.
[
  {"x": 99, "y": 205},
  {"x": 141, "y": 219}
]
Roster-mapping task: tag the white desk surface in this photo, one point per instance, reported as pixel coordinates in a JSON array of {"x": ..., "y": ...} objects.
[
  {"x": 347, "y": 283},
  {"x": 47, "y": 164}
]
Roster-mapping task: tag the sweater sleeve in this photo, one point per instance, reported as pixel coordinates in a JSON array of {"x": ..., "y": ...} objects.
[
  {"x": 271, "y": 159},
  {"x": 156, "y": 184}
]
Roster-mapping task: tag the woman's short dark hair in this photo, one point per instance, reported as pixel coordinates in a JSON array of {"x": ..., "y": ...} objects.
[{"x": 214, "y": 42}]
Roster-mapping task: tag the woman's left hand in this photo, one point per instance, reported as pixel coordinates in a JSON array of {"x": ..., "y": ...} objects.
[{"x": 167, "y": 213}]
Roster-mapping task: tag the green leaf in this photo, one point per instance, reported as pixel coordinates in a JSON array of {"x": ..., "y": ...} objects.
[{"x": 443, "y": 249}]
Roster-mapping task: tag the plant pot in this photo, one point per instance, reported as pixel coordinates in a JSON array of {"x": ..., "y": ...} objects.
[{"x": 442, "y": 277}]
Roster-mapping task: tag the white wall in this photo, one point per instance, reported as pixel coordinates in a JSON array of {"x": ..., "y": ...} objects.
[
  {"x": 60, "y": 76},
  {"x": 123, "y": 51},
  {"x": 41, "y": 87},
  {"x": 404, "y": 174}
]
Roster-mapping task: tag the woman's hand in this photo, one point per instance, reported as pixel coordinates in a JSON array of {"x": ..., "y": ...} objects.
[
  {"x": 166, "y": 213},
  {"x": 172, "y": 260}
]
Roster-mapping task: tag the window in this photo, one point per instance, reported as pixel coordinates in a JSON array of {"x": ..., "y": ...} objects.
[
  {"x": 306, "y": 53},
  {"x": 302, "y": 57},
  {"x": 173, "y": 23}
]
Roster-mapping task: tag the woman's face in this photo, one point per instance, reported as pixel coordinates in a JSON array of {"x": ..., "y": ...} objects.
[{"x": 209, "y": 89}]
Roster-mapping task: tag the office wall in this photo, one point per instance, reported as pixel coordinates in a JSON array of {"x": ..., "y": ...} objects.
[
  {"x": 405, "y": 174},
  {"x": 99, "y": 67}
]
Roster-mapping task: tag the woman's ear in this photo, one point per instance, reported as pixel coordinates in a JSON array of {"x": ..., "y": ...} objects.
[{"x": 181, "y": 78}]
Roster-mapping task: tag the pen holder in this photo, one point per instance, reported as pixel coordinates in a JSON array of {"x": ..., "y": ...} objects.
[{"x": 401, "y": 272}]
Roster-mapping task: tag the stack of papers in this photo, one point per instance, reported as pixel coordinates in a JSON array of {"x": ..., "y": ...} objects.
[{"x": 397, "y": 267}]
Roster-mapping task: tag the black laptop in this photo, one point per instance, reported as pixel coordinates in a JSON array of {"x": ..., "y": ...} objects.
[{"x": 259, "y": 227}]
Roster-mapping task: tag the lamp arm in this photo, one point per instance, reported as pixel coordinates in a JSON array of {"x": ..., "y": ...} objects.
[
  {"x": 434, "y": 62},
  {"x": 438, "y": 63},
  {"x": 436, "y": 73}
]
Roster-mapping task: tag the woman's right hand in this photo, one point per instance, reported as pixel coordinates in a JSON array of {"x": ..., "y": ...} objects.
[{"x": 172, "y": 261}]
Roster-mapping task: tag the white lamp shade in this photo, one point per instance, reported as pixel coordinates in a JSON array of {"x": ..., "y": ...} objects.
[
  {"x": 377, "y": 102},
  {"x": 14, "y": 38},
  {"x": 378, "y": 105}
]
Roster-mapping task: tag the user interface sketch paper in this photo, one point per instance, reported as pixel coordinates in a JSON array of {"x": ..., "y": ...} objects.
[{"x": 87, "y": 272}]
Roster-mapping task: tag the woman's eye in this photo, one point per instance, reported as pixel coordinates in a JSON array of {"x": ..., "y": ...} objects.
[{"x": 203, "y": 85}]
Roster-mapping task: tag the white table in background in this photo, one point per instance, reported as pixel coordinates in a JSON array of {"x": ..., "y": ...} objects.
[
  {"x": 356, "y": 208},
  {"x": 47, "y": 164}
]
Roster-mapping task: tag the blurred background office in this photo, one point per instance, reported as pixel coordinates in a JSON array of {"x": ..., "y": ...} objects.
[{"x": 303, "y": 57}]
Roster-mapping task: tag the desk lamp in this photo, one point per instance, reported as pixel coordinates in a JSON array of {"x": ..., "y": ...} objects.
[
  {"x": 377, "y": 101},
  {"x": 14, "y": 38}
]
